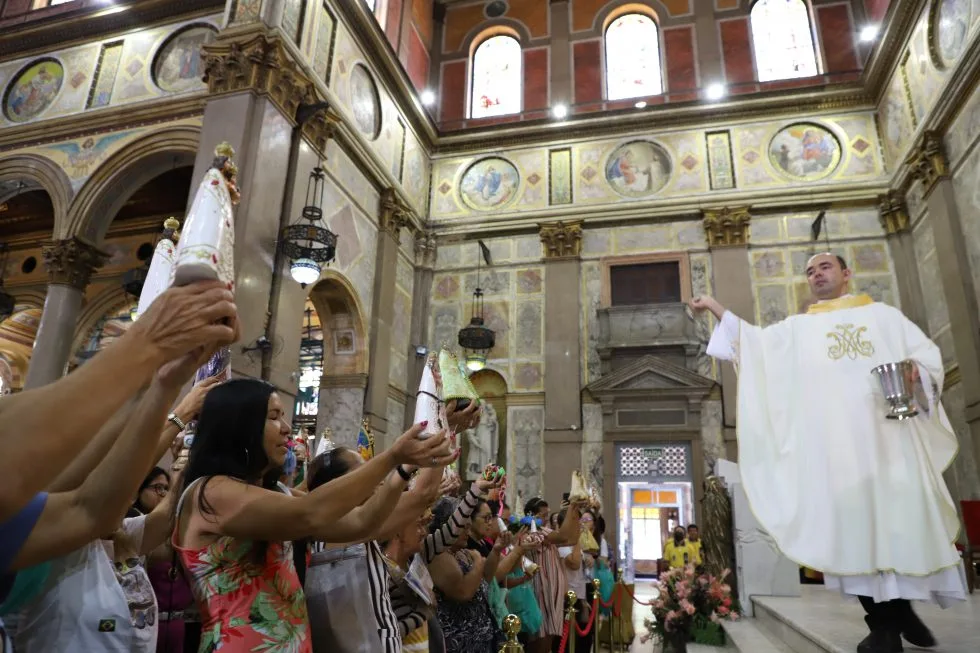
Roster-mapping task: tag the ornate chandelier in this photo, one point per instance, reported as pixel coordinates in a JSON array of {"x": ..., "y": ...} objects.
[
  {"x": 476, "y": 338},
  {"x": 308, "y": 245}
]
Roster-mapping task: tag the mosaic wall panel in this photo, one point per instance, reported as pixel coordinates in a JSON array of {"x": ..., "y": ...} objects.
[
  {"x": 963, "y": 477},
  {"x": 712, "y": 437},
  {"x": 560, "y": 176},
  {"x": 641, "y": 167},
  {"x": 415, "y": 173},
  {"x": 73, "y": 75},
  {"x": 401, "y": 326},
  {"x": 525, "y": 426},
  {"x": 721, "y": 168},
  {"x": 781, "y": 247},
  {"x": 514, "y": 309},
  {"x": 322, "y": 45},
  {"x": 592, "y": 458},
  {"x": 963, "y": 150}
]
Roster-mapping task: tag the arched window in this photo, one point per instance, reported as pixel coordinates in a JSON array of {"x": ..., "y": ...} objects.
[
  {"x": 633, "y": 58},
  {"x": 782, "y": 40},
  {"x": 498, "y": 81},
  {"x": 371, "y": 4}
]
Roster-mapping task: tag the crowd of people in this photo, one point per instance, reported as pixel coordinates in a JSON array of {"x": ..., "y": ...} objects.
[{"x": 100, "y": 550}]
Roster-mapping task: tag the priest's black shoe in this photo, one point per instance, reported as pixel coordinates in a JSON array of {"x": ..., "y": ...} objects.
[
  {"x": 915, "y": 632},
  {"x": 881, "y": 641}
]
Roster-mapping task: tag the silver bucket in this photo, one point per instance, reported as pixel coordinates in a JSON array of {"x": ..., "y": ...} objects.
[{"x": 898, "y": 386}]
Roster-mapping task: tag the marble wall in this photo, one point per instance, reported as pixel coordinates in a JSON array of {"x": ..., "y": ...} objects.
[
  {"x": 963, "y": 149},
  {"x": 525, "y": 447},
  {"x": 143, "y": 65},
  {"x": 781, "y": 244}
]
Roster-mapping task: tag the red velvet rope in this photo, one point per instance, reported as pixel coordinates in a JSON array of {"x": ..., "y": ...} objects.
[
  {"x": 582, "y": 632},
  {"x": 564, "y": 639}
]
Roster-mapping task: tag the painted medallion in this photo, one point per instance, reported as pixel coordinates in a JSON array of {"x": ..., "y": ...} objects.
[
  {"x": 33, "y": 90},
  {"x": 490, "y": 183},
  {"x": 638, "y": 169},
  {"x": 365, "y": 103},
  {"x": 804, "y": 152},
  {"x": 178, "y": 65}
]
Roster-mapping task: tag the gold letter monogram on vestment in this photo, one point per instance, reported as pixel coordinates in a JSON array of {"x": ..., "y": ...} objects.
[{"x": 847, "y": 341}]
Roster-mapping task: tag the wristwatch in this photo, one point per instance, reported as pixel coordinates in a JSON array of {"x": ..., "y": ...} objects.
[
  {"x": 404, "y": 473},
  {"x": 176, "y": 421}
]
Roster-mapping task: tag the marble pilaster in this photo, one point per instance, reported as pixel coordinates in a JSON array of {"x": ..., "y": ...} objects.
[
  {"x": 393, "y": 217},
  {"x": 562, "y": 244},
  {"x": 425, "y": 258},
  {"x": 727, "y": 231},
  {"x": 525, "y": 434},
  {"x": 69, "y": 264},
  {"x": 341, "y": 407},
  {"x": 896, "y": 222},
  {"x": 930, "y": 167}
]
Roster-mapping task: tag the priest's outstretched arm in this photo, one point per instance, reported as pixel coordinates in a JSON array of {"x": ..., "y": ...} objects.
[{"x": 724, "y": 340}]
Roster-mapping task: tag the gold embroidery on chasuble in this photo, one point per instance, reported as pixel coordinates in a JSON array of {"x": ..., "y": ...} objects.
[{"x": 848, "y": 340}]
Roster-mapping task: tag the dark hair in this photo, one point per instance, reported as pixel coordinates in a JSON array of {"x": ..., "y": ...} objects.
[
  {"x": 138, "y": 508},
  {"x": 534, "y": 505},
  {"x": 229, "y": 441},
  {"x": 690, "y": 526},
  {"x": 600, "y": 527},
  {"x": 442, "y": 511},
  {"x": 328, "y": 466},
  {"x": 561, "y": 516},
  {"x": 843, "y": 263}
]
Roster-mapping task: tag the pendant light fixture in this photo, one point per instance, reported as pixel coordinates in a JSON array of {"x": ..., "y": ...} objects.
[
  {"x": 308, "y": 245},
  {"x": 476, "y": 338}
]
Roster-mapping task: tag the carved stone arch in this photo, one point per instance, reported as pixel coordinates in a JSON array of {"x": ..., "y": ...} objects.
[
  {"x": 495, "y": 27},
  {"x": 491, "y": 385},
  {"x": 109, "y": 300},
  {"x": 652, "y": 8},
  {"x": 124, "y": 173},
  {"x": 39, "y": 171},
  {"x": 28, "y": 297}
]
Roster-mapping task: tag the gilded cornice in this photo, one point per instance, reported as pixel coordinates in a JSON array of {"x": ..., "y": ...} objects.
[
  {"x": 561, "y": 240},
  {"x": 727, "y": 227},
  {"x": 927, "y": 161},
  {"x": 257, "y": 61},
  {"x": 894, "y": 213},
  {"x": 72, "y": 262},
  {"x": 898, "y": 25},
  {"x": 320, "y": 128}
]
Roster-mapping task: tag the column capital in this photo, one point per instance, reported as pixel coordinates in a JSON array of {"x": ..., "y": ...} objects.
[
  {"x": 928, "y": 161},
  {"x": 561, "y": 239},
  {"x": 319, "y": 128},
  {"x": 257, "y": 60},
  {"x": 727, "y": 227},
  {"x": 71, "y": 262},
  {"x": 893, "y": 213},
  {"x": 425, "y": 249},
  {"x": 394, "y": 214}
]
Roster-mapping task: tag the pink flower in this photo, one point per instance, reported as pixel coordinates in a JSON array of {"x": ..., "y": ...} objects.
[
  {"x": 727, "y": 603},
  {"x": 687, "y": 607},
  {"x": 733, "y": 616},
  {"x": 723, "y": 611},
  {"x": 727, "y": 589},
  {"x": 714, "y": 617}
]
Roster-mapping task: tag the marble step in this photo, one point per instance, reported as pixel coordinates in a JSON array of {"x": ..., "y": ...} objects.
[{"x": 747, "y": 636}]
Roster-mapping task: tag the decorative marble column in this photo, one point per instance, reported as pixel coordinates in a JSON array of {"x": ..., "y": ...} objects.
[
  {"x": 70, "y": 264},
  {"x": 393, "y": 216},
  {"x": 894, "y": 216},
  {"x": 425, "y": 261},
  {"x": 931, "y": 168},
  {"x": 562, "y": 245},
  {"x": 727, "y": 231}
]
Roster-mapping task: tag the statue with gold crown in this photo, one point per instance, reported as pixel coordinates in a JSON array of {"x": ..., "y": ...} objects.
[
  {"x": 207, "y": 245},
  {"x": 161, "y": 266}
]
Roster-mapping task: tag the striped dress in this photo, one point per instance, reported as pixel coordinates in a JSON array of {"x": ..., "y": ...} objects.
[
  {"x": 550, "y": 586},
  {"x": 406, "y": 603}
]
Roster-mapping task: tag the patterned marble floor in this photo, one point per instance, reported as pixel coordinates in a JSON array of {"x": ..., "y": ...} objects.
[{"x": 836, "y": 623}]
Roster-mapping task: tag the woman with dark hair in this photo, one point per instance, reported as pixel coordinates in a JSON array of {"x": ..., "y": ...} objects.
[
  {"x": 550, "y": 583},
  {"x": 151, "y": 492},
  {"x": 235, "y": 524}
]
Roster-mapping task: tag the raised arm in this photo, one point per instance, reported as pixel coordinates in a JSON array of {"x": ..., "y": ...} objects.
[
  {"x": 177, "y": 322},
  {"x": 362, "y": 523},
  {"x": 451, "y": 580},
  {"x": 250, "y": 512},
  {"x": 569, "y": 530},
  {"x": 459, "y": 521},
  {"x": 705, "y": 303},
  {"x": 412, "y": 504}
]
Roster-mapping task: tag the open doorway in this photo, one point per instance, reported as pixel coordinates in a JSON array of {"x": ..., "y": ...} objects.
[{"x": 648, "y": 512}]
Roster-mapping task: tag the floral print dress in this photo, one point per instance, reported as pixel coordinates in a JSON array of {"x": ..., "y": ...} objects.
[{"x": 246, "y": 606}]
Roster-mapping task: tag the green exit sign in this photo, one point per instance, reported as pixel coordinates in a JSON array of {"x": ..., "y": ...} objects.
[{"x": 653, "y": 453}]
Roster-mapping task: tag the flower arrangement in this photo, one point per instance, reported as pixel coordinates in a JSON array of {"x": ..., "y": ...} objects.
[{"x": 691, "y": 606}]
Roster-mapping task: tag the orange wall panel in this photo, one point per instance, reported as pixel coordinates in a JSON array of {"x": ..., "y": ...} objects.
[
  {"x": 737, "y": 50},
  {"x": 422, "y": 17},
  {"x": 459, "y": 21},
  {"x": 837, "y": 38},
  {"x": 535, "y": 79},
  {"x": 588, "y": 71},
  {"x": 679, "y": 55},
  {"x": 584, "y": 13},
  {"x": 534, "y": 15},
  {"x": 452, "y": 92}
]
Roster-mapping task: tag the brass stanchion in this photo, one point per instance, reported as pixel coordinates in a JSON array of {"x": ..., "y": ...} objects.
[
  {"x": 570, "y": 619},
  {"x": 512, "y": 627},
  {"x": 597, "y": 604}
]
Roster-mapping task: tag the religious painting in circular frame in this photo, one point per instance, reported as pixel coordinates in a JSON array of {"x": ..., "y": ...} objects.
[
  {"x": 949, "y": 30},
  {"x": 804, "y": 152},
  {"x": 33, "y": 90},
  {"x": 489, "y": 184},
  {"x": 365, "y": 102},
  {"x": 638, "y": 169},
  {"x": 178, "y": 65}
]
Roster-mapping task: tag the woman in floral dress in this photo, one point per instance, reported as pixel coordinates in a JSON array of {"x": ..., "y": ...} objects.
[
  {"x": 234, "y": 524},
  {"x": 550, "y": 583}
]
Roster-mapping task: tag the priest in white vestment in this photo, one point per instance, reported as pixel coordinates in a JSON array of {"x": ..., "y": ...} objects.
[{"x": 842, "y": 489}]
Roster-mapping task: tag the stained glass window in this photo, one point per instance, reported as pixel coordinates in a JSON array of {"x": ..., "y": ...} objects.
[
  {"x": 782, "y": 40},
  {"x": 633, "y": 58},
  {"x": 498, "y": 83},
  {"x": 371, "y": 4}
]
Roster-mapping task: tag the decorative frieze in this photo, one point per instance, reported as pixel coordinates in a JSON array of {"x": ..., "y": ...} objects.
[
  {"x": 71, "y": 262},
  {"x": 928, "y": 161},
  {"x": 319, "y": 128},
  {"x": 727, "y": 227},
  {"x": 259, "y": 62},
  {"x": 561, "y": 239},
  {"x": 893, "y": 213},
  {"x": 394, "y": 214},
  {"x": 425, "y": 249}
]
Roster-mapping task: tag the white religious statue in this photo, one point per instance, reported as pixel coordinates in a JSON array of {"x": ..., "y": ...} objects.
[
  {"x": 481, "y": 444},
  {"x": 841, "y": 488}
]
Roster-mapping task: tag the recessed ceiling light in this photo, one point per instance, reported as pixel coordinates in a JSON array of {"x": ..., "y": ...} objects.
[
  {"x": 869, "y": 33},
  {"x": 715, "y": 91},
  {"x": 559, "y": 111},
  {"x": 428, "y": 97},
  {"x": 640, "y": 105}
]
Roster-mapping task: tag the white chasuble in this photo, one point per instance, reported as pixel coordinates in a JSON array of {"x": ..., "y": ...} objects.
[{"x": 840, "y": 488}]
